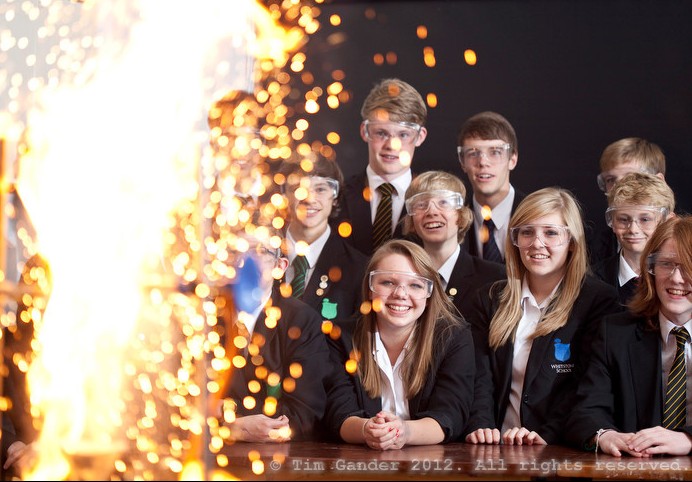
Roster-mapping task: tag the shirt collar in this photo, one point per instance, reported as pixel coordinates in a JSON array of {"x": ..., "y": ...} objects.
[
  {"x": 625, "y": 272},
  {"x": 250, "y": 319},
  {"x": 314, "y": 249},
  {"x": 501, "y": 213},
  {"x": 447, "y": 267},
  {"x": 666, "y": 326},
  {"x": 401, "y": 183},
  {"x": 527, "y": 296},
  {"x": 379, "y": 346}
]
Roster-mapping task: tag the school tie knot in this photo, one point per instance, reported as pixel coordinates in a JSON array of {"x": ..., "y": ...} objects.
[
  {"x": 300, "y": 269},
  {"x": 386, "y": 189},
  {"x": 681, "y": 336}
]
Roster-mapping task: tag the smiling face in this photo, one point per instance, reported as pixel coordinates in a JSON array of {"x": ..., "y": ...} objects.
[
  {"x": 673, "y": 288},
  {"x": 545, "y": 263},
  {"x": 438, "y": 222},
  {"x": 398, "y": 310},
  {"x": 633, "y": 226},
  {"x": 391, "y": 146},
  {"x": 310, "y": 203},
  {"x": 489, "y": 176}
]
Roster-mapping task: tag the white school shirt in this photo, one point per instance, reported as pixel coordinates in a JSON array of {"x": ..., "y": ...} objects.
[
  {"x": 312, "y": 254},
  {"x": 500, "y": 216},
  {"x": 401, "y": 184},
  {"x": 393, "y": 391},
  {"x": 532, "y": 312},
  {"x": 447, "y": 267},
  {"x": 250, "y": 319},
  {"x": 625, "y": 272}
]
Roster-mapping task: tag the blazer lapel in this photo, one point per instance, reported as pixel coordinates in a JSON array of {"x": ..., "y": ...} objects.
[
  {"x": 359, "y": 212},
  {"x": 331, "y": 251},
  {"x": 645, "y": 363},
  {"x": 503, "y": 360},
  {"x": 470, "y": 241},
  {"x": 537, "y": 357},
  {"x": 611, "y": 269},
  {"x": 462, "y": 274}
]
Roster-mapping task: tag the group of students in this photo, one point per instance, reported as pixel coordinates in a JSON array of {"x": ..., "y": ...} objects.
[
  {"x": 481, "y": 317},
  {"x": 402, "y": 310}
]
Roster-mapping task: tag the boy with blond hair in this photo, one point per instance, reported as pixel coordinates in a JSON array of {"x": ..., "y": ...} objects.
[
  {"x": 637, "y": 204},
  {"x": 393, "y": 125},
  {"x": 630, "y": 154}
]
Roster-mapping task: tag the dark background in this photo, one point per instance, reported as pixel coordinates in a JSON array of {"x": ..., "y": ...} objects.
[{"x": 571, "y": 76}]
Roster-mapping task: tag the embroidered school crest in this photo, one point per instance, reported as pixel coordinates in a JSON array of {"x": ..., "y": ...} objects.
[
  {"x": 562, "y": 352},
  {"x": 328, "y": 309}
]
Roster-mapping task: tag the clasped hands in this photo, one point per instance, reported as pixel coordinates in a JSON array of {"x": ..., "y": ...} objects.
[
  {"x": 646, "y": 442},
  {"x": 385, "y": 431}
]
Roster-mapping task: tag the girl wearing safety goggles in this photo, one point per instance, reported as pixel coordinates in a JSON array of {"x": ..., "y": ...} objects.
[{"x": 533, "y": 331}]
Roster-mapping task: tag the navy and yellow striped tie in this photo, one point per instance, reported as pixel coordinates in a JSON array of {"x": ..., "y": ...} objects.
[
  {"x": 382, "y": 226},
  {"x": 300, "y": 270},
  {"x": 675, "y": 408}
]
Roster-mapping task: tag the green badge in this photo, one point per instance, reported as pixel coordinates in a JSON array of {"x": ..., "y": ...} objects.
[
  {"x": 274, "y": 391},
  {"x": 328, "y": 309}
]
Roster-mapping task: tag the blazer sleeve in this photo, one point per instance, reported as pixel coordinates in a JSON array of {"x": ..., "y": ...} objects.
[
  {"x": 597, "y": 300},
  {"x": 451, "y": 396},
  {"x": 306, "y": 353},
  {"x": 595, "y": 401},
  {"x": 482, "y": 410},
  {"x": 343, "y": 388}
]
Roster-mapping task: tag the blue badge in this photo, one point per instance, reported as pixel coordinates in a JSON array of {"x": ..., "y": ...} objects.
[
  {"x": 328, "y": 309},
  {"x": 562, "y": 352},
  {"x": 246, "y": 294}
]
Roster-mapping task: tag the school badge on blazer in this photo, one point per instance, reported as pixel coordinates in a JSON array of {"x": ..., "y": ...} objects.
[
  {"x": 562, "y": 352},
  {"x": 328, "y": 309}
]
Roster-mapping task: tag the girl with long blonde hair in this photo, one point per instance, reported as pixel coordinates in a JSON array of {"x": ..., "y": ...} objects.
[{"x": 532, "y": 331}]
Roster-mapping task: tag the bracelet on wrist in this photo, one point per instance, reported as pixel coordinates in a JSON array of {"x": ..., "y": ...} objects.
[
  {"x": 362, "y": 431},
  {"x": 600, "y": 432}
]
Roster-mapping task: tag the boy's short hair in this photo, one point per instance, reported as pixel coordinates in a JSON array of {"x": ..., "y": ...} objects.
[
  {"x": 315, "y": 165},
  {"x": 487, "y": 126},
  {"x": 394, "y": 100},
  {"x": 642, "y": 189},
  {"x": 634, "y": 149}
]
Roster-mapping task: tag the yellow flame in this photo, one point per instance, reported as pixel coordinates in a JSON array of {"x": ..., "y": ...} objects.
[{"x": 114, "y": 148}]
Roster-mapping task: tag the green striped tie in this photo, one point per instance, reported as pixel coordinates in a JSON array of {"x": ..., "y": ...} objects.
[
  {"x": 382, "y": 227},
  {"x": 300, "y": 270},
  {"x": 675, "y": 409}
]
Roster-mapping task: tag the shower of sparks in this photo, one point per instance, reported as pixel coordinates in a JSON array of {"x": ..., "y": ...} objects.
[{"x": 107, "y": 109}]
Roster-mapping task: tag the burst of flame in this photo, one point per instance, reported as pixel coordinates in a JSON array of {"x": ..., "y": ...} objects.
[{"x": 115, "y": 130}]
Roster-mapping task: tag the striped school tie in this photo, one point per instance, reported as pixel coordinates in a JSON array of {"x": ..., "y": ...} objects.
[
  {"x": 675, "y": 408},
  {"x": 382, "y": 227},
  {"x": 300, "y": 270}
]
